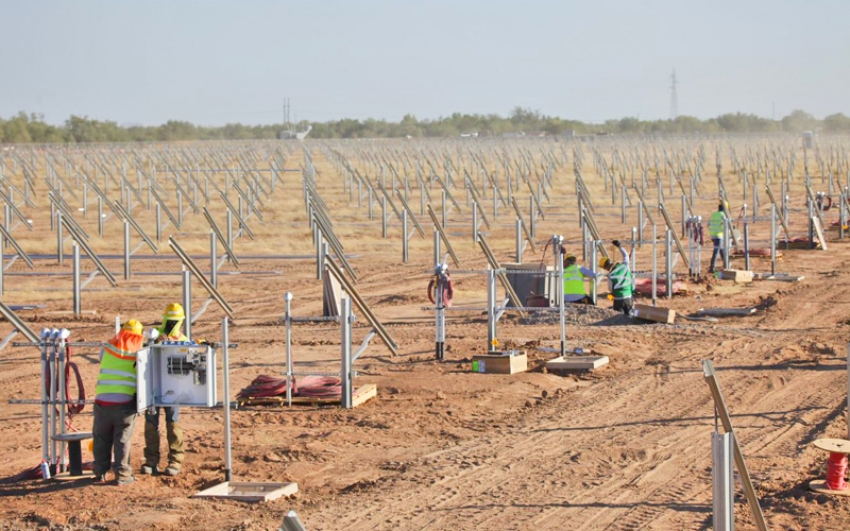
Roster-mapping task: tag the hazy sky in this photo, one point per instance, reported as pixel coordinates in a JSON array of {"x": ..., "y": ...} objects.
[{"x": 212, "y": 62}]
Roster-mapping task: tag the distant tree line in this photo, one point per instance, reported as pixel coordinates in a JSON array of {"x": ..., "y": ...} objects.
[{"x": 32, "y": 128}]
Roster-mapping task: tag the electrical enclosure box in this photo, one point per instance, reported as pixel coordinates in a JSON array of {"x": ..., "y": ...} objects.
[{"x": 176, "y": 374}]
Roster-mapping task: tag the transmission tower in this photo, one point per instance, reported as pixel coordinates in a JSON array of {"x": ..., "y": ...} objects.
[{"x": 674, "y": 99}]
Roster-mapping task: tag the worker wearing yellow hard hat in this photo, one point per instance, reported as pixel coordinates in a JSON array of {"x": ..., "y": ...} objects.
[
  {"x": 115, "y": 404},
  {"x": 716, "y": 223},
  {"x": 170, "y": 330}
]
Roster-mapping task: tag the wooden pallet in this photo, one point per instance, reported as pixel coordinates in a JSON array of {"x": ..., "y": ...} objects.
[
  {"x": 576, "y": 363},
  {"x": 249, "y": 491},
  {"x": 361, "y": 395}
]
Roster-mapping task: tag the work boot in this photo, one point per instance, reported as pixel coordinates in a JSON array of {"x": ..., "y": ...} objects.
[
  {"x": 172, "y": 470},
  {"x": 99, "y": 479},
  {"x": 126, "y": 480},
  {"x": 148, "y": 470}
]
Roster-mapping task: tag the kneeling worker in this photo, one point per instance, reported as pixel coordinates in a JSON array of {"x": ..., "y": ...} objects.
[
  {"x": 574, "y": 276},
  {"x": 620, "y": 282},
  {"x": 171, "y": 330}
]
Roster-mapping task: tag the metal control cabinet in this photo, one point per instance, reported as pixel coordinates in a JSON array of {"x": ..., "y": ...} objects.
[{"x": 176, "y": 374}]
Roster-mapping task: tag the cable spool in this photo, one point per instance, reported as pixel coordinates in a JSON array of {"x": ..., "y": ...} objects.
[
  {"x": 448, "y": 291},
  {"x": 836, "y": 468}
]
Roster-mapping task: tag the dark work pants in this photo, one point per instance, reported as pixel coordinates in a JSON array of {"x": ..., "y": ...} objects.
[
  {"x": 624, "y": 305},
  {"x": 173, "y": 434},
  {"x": 718, "y": 249},
  {"x": 112, "y": 431}
]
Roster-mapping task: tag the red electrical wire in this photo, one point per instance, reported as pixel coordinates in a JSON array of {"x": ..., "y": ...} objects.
[
  {"x": 320, "y": 386},
  {"x": 835, "y": 471}
]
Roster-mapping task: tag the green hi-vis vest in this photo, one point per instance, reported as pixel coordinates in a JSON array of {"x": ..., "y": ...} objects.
[
  {"x": 715, "y": 224},
  {"x": 117, "y": 368},
  {"x": 573, "y": 281},
  {"x": 621, "y": 280}
]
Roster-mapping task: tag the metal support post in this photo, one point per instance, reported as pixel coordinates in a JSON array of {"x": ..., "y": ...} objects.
[
  {"x": 440, "y": 313},
  {"x": 225, "y": 360},
  {"x": 371, "y": 206},
  {"x": 593, "y": 267},
  {"x": 436, "y": 246},
  {"x": 213, "y": 261},
  {"x": 654, "y": 265},
  {"x": 229, "y": 229},
  {"x": 158, "y": 223},
  {"x": 640, "y": 224},
  {"x": 100, "y": 216},
  {"x": 85, "y": 200},
  {"x": 60, "y": 398},
  {"x": 405, "y": 247},
  {"x": 684, "y": 214},
  {"x": 384, "y": 227},
  {"x": 723, "y": 481},
  {"x": 623, "y": 205},
  {"x": 45, "y": 435},
  {"x": 668, "y": 256},
  {"x": 346, "y": 319},
  {"x": 746, "y": 245},
  {"x": 60, "y": 251},
  {"x": 445, "y": 212},
  {"x": 559, "y": 283},
  {"x": 841, "y": 215},
  {"x": 519, "y": 241},
  {"x": 54, "y": 334},
  {"x": 772, "y": 239},
  {"x": 2, "y": 242},
  {"x": 76, "y": 281},
  {"x": 288, "y": 317},
  {"x": 126, "y": 250},
  {"x": 317, "y": 243},
  {"x": 187, "y": 303},
  {"x": 180, "y": 210},
  {"x": 474, "y": 223},
  {"x": 491, "y": 310},
  {"x": 727, "y": 232}
]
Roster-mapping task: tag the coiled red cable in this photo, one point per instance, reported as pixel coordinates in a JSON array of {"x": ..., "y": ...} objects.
[{"x": 835, "y": 471}]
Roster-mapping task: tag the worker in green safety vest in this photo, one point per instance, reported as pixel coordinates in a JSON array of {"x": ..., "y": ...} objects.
[
  {"x": 115, "y": 404},
  {"x": 620, "y": 281},
  {"x": 574, "y": 277},
  {"x": 715, "y": 232}
]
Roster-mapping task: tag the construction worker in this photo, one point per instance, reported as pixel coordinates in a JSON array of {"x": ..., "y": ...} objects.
[
  {"x": 115, "y": 404},
  {"x": 170, "y": 330},
  {"x": 715, "y": 231},
  {"x": 574, "y": 276},
  {"x": 620, "y": 283}
]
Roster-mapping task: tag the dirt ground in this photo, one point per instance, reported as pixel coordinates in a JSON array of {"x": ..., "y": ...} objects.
[{"x": 626, "y": 446}]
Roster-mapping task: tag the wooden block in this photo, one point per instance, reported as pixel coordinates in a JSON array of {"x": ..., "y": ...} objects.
[
  {"x": 249, "y": 491},
  {"x": 819, "y": 231},
  {"x": 781, "y": 278},
  {"x": 364, "y": 393},
  {"x": 739, "y": 276},
  {"x": 657, "y": 314},
  {"x": 496, "y": 364},
  {"x": 573, "y": 363}
]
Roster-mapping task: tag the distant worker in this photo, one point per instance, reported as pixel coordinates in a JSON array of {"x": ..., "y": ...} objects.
[
  {"x": 574, "y": 276},
  {"x": 620, "y": 283},
  {"x": 715, "y": 231},
  {"x": 115, "y": 404},
  {"x": 170, "y": 330}
]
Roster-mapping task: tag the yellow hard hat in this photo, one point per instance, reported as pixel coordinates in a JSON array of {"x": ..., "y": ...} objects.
[
  {"x": 604, "y": 262},
  {"x": 133, "y": 326},
  {"x": 174, "y": 312}
]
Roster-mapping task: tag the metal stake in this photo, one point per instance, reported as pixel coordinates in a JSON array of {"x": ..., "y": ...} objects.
[
  {"x": 187, "y": 302},
  {"x": 772, "y": 239},
  {"x": 405, "y": 248},
  {"x": 654, "y": 265},
  {"x": 225, "y": 359},
  {"x": 213, "y": 261},
  {"x": 76, "y": 282},
  {"x": 519, "y": 241},
  {"x": 126, "y": 250},
  {"x": 60, "y": 251},
  {"x": 346, "y": 319},
  {"x": 288, "y": 317}
]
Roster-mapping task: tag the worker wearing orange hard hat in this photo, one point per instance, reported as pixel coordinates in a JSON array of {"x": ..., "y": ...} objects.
[
  {"x": 115, "y": 404},
  {"x": 170, "y": 330}
]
